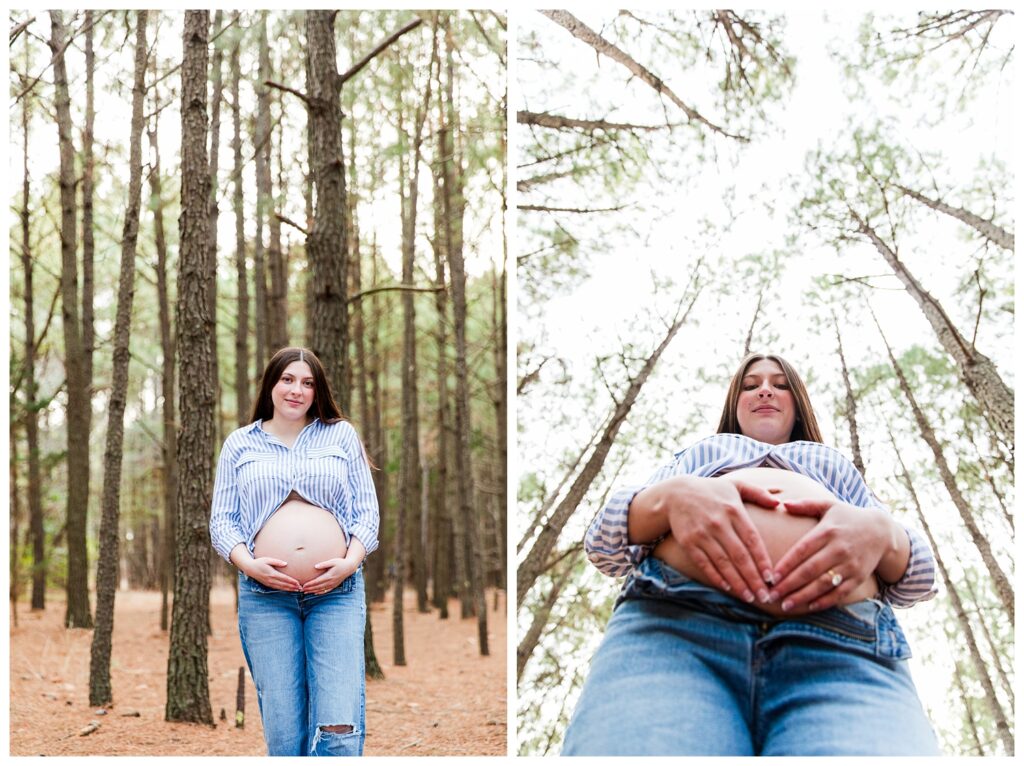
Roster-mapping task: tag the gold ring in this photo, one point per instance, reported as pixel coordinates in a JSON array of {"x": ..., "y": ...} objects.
[{"x": 837, "y": 578}]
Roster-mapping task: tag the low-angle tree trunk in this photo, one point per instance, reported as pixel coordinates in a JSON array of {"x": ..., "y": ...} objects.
[{"x": 188, "y": 695}]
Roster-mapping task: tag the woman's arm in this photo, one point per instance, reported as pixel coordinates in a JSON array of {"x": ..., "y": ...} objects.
[
  {"x": 365, "y": 520},
  {"x": 706, "y": 516},
  {"x": 225, "y": 518}
]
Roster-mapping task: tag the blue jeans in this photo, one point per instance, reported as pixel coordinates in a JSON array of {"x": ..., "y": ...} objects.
[
  {"x": 305, "y": 654},
  {"x": 685, "y": 669}
]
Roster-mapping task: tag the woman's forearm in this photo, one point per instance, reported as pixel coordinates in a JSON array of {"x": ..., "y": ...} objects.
[
  {"x": 893, "y": 564},
  {"x": 648, "y": 513},
  {"x": 240, "y": 556}
]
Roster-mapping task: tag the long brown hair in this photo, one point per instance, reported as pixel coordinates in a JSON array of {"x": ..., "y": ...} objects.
[
  {"x": 805, "y": 428},
  {"x": 323, "y": 407}
]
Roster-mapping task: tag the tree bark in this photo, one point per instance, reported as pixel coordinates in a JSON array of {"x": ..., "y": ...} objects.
[
  {"x": 169, "y": 441},
  {"x": 214, "y": 209},
  {"x": 326, "y": 244},
  {"x": 987, "y": 229},
  {"x": 78, "y": 614},
  {"x": 978, "y": 371},
  {"x": 972, "y": 723},
  {"x": 525, "y": 649},
  {"x": 463, "y": 461},
  {"x": 100, "y": 691},
  {"x": 560, "y": 122},
  {"x": 999, "y": 580},
  {"x": 533, "y": 564},
  {"x": 242, "y": 325},
  {"x": 275, "y": 298},
  {"x": 188, "y": 697},
  {"x": 378, "y": 441},
  {"x": 88, "y": 195},
  {"x": 1002, "y": 727},
  {"x": 442, "y": 513},
  {"x": 851, "y": 402},
  {"x": 35, "y": 492}
]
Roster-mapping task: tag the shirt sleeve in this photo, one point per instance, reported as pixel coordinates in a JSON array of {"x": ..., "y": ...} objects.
[
  {"x": 365, "y": 518},
  {"x": 918, "y": 581},
  {"x": 225, "y": 518},
  {"x": 607, "y": 540}
]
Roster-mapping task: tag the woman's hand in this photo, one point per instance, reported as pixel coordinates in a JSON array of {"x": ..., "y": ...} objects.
[
  {"x": 833, "y": 559},
  {"x": 264, "y": 570},
  {"x": 707, "y": 518},
  {"x": 336, "y": 571}
]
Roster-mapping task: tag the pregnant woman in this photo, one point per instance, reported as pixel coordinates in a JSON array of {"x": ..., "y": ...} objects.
[
  {"x": 756, "y": 618},
  {"x": 294, "y": 509}
]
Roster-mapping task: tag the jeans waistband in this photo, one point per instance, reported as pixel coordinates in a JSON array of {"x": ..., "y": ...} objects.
[{"x": 867, "y": 627}]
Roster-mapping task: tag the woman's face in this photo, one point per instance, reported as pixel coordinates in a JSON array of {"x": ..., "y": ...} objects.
[
  {"x": 292, "y": 395},
  {"x": 765, "y": 409}
]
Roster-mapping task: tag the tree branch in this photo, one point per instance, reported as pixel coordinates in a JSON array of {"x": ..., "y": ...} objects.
[
  {"x": 354, "y": 70},
  {"x": 399, "y": 288},
  {"x": 286, "y": 89},
  {"x": 545, "y": 209}
]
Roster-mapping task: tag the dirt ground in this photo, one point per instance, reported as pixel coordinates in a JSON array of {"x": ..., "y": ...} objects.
[{"x": 448, "y": 700}]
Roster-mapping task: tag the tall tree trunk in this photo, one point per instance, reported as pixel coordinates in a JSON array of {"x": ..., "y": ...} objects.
[
  {"x": 441, "y": 245},
  {"x": 966, "y": 631},
  {"x": 263, "y": 208},
  {"x": 411, "y": 473},
  {"x": 397, "y": 605},
  {"x": 536, "y": 560},
  {"x": 88, "y": 238},
  {"x": 972, "y": 723},
  {"x": 276, "y": 306},
  {"x": 35, "y": 491},
  {"x": 999, "y": 580},
  {"x": 985, "y": 470},
  {"x": 976, "y": 369},
  {"x": 541, "y": 617},
  {"x": 15, "y": 522},
  {"x": 169, "y": 441},
  {"x": 501, "y": 382},
  {"x": 327, "y": 243},
  {"x": 242, "y": 325},
  {"x": 995, "y": 652},
  {"x": 851, "y": 402},
  {"x": 78, "y": 613},
  {"x": 452, "y": 213},
  {"x": 188, "y": 697},
  {"x": 463, "y": 461},
  {"x": 378, "y": 443},
  {"x": 987, "y": 229},
  {"x": 100, "y": 692},
  {"x": 373, "y": 668},
  {"x": 214, "y": 210}
]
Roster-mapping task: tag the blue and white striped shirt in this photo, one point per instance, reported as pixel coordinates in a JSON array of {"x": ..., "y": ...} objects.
[
  {"x": 256, "y": 472},
  {"x": 607, "y": 541}
]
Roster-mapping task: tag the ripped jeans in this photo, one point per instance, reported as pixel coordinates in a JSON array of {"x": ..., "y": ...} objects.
[
  {"x": 685, "y": 669},
  {"x": 305, "y": 654}
]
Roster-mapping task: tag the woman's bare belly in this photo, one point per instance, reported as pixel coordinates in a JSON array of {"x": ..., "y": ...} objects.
[
  {"x": 778, "y": 529},
  {"x": 301, "y": 534}
]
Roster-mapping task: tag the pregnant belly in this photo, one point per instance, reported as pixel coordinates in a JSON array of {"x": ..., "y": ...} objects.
[
  {"x": 303, "y": 535},
  {"x": 778, "y": 529}
]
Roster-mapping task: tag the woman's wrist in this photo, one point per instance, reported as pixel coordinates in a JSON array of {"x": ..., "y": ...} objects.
[
  {"x": 648, "y": 518},
  {"x": 241, "y": 558},
  {"x": 896, "y": 550}
]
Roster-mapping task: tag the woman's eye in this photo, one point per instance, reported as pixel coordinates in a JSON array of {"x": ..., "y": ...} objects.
[
  {"x": 309, "y": 384},
  {"x": 782, "y": 385}
]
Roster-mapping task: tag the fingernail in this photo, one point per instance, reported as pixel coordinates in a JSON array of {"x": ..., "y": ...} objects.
[
  {"x": 787, "y": 605},
  {"x": 728, "y": 587},
  {"x": 768, "y": 577},
  {"x": 748, "y": 597},
  {"x": 776, "y": 577},
  {"x": 762, "y": 596},
  {"x": 773, "y": 597}
]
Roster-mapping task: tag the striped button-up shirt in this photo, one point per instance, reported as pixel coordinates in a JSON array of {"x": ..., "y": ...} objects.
[
  {"x": 607, "y": 541},
  {"x": 256, "y": 472}
]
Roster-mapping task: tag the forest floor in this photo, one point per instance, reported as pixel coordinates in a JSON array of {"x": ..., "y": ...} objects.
[{"x": 448, "y": 700}]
